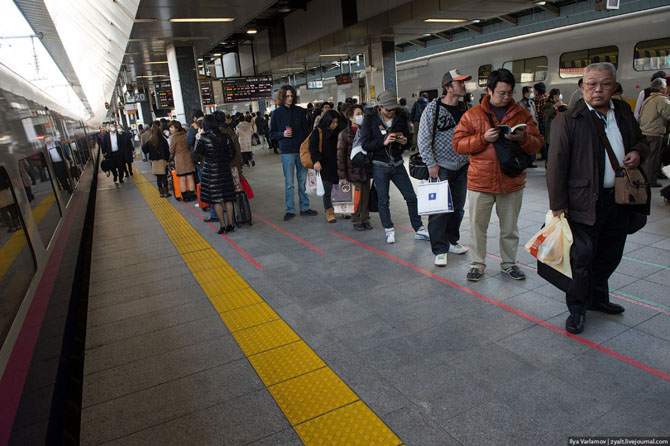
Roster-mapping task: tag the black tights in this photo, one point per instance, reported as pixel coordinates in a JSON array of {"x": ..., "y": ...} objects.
[{"x": 161, "y": 180}]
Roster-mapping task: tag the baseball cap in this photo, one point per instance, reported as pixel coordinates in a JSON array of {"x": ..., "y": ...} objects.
[
  {"x": 454, "y": 75},
  {"x": 387, "y": 99}
]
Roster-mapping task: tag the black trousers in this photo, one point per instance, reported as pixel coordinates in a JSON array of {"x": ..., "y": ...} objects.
[
  {"x": 596, "y": 253},
  {"x": 118, "y": 165},
  {"x": 444, "y": 229},
  {"x": 161, "y": 181}
]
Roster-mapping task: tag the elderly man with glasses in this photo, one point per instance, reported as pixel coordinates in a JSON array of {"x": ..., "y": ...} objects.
[
  {"x": 475, "y": 136},
  {"x": 580, "y": 181}
]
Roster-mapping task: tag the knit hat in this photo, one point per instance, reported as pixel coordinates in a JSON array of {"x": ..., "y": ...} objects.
[{"x": 387, "y": 99}]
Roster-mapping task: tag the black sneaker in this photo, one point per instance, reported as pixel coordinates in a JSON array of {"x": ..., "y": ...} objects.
[
  {"x": 359, "y": 227},
  {"x": 310, "y": 212},
  {"x": 474, "y": 275},
  {"x": 367, "y": 225},
  {"x": 289, "y": 216},
  {"x": 514, "y": 272},
  {"x": 575, "y": 323}
]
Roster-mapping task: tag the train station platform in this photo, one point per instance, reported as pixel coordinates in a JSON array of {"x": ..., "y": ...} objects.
[{"x": 303, "y": 332}]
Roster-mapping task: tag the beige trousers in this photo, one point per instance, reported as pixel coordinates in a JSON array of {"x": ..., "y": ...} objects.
[{"x": 508, "y": 207}]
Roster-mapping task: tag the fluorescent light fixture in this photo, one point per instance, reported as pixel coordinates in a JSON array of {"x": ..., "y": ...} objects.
[
  {"x": 291, "y": 68},
  {"x": 216, "y": 54},
  {"x": 152, "y": 75},
  {"x": 153, "y": 63},
  {"x": 445, "y": 20},
  {"x": 540, "y": 3},
  {"x": 153, "y": 20},
  {"x": 252, "y": 31},
  {"x": 284, "y": 9},
  {"x": 333, "y": 55},
  {"x": 201, "y": 19}
]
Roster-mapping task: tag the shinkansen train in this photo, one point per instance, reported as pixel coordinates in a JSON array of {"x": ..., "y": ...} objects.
[
  {"x": 45, "y": 180},
  {"x": 638, "y": 44}
]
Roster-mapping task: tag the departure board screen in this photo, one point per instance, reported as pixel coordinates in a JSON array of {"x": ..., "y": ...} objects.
[
  {"x": 242, "y": 89},
  {"x": 164, "y": 95},
  {"x": 206, "y": 93}
]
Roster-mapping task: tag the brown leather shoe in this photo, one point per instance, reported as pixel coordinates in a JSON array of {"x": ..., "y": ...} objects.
[{"x": 330, "y": 215}]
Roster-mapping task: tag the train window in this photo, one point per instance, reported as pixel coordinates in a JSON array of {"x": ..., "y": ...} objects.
[
  {"x": 652, "y": 55},
  {"x": 17, "y": 262},
  {"x": 573, "y": 64},
  {"x": 41, "y": 194},
  {"x": 483, "y": 75},
  {"x": 61, "y": 160},
  {"x": 528, "y": 70}
]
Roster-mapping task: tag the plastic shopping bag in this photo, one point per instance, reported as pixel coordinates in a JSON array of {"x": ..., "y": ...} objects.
[
  {"x": 310, "y": 182},
  {"x": 552, "y": 244},
  {"x": 320, "y": 190},
  {"x": 434, "y": 197}
]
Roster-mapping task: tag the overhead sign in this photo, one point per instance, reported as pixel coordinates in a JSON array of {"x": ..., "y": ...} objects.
[
  {"x": 314, "y": 84},
  {"x": 206, "y": 93},
  {"x": 134, "y": 98},
  {"x": 343, "y": 79},
  {"x": 164, "y": 95},
  {"x": 245, "y": 89}
]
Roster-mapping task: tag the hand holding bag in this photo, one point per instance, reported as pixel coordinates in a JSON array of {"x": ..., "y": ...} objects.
[
  {"x": 320, "y": 190},
  {"x": 434, "y": 197},
  {"x": 511, "y": 157},
  {"x": 342, "y": 193},
  {"x": 310, "y": 182}
]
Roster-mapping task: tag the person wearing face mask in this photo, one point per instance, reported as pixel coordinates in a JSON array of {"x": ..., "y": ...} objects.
[
  {"x": 527, "y": 102},
  {"x": 550, "y": 110},
  {"x": 323, "y": 150},
  {"x": 359, "y": 177},
  {"x": 114, "y": 148}
]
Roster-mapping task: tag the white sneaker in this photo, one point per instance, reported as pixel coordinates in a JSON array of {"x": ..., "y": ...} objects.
[
  {"x": 421, "y": 234},
  {"x": 441, "y": 260},
  {"x": 390, "y": 235},
  {"x": 458, "y": 249}
]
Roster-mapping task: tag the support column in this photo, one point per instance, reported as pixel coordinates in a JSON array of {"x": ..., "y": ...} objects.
[
  {"x": 184, "y": 80},
  {"x": 380, "y": 74},
  {"x": 144, "y": 109}
]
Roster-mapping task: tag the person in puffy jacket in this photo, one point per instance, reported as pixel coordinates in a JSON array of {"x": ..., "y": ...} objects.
[
  {"x": 487, "y": 184},
  {"x": 359, "y": 177},
  {"x": 217, "y": 185}
]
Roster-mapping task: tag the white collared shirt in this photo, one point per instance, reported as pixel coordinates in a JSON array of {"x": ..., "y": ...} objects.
[
  {"x": 113, "y": 137},
  {"x": 616, "y": 141},
  {"x": 53, "y": 153}
]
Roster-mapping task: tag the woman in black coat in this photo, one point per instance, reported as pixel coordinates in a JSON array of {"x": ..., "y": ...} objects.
[
  {"x": 158, "y": 151},
  {"x": 325, "y": 157},
  {"x": 217, "y": 185}
]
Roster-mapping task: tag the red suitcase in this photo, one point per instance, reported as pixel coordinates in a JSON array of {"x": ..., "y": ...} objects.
[{"x": 203, "y": 206}]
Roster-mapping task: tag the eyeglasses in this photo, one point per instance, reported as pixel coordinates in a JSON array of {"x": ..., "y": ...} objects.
[
  {"x": 508, "y": 94},
  {"x": 592, "y": 85}
]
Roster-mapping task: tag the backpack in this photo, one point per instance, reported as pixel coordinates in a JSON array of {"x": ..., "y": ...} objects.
[{"x": 305, "y": 156}]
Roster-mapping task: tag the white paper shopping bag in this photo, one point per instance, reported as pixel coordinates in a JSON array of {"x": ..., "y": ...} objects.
[{"x": 434, "y": 197}]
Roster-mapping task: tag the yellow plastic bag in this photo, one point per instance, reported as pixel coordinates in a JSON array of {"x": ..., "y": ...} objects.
[{"x": 552, "y": 244}]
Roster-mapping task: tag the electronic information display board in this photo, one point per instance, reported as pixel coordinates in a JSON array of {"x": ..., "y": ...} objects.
[
  {"x": 164, "y": 95},
  {"x": 206, "y": 93},
  {"x": 245, "y": 89}
]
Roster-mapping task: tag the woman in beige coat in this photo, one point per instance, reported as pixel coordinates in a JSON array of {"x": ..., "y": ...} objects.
[
  {"x": 183, "y": 162},
  {"x": 244, "y": 131}
]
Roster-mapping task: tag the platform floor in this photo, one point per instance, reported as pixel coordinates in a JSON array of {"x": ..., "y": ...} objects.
[{"x": 372, "y": 338}]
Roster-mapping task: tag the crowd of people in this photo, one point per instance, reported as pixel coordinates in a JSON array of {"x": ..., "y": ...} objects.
[{"x": 458, "y": 142}]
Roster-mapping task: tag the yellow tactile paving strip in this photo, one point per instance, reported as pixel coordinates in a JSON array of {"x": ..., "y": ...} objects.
[{"x": 322, "y": 409}]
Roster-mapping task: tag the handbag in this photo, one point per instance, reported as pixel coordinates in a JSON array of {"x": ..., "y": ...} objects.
[
  {"x": 511, "y": 157},
  {"x": 373, "y": 205},
  {"x": 434, "y": 197},
  {"x": 630, "y": 183},
  {"x": 246, "y": 188},
  {"x": 417, "y": 168},
  {"x": 342, "y": 193}
]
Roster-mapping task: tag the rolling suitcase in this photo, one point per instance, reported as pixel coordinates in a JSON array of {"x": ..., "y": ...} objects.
[
  {"x": 241, "y": 209},
  {"x": 175, "y": 185},
  {"x": 203, "y": 206}
]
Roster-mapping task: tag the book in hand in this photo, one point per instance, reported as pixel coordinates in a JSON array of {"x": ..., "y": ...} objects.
[{"x": 506, "y": 130}]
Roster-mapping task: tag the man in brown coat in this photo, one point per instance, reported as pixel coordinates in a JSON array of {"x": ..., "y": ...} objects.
[{"x": 580, "y": 181}]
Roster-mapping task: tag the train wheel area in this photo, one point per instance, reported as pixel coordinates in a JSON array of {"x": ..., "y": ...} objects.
[{"x": 304, "y": 332}]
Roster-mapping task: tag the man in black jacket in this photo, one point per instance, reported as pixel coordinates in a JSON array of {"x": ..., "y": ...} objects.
[
  {"x": 114, "y": 147},
  {"x": 580, "y": 181},
  {"x": 385, "y": 134}
]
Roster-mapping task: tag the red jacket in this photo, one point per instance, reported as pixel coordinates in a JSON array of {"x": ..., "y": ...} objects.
[{"x": 484, "y": 174}]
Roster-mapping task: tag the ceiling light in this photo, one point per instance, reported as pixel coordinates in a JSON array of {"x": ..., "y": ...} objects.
[
  {"x": 145, "y": 20},
  {"x": 445, "y": 20},
  {"x": 216, "y": 54},
  {"x": 284, "y": 9},
  {"x": 333, "y": 55},
  {"x": 152, "y": 63},
  {"x": 540, "y": 3},
  {"x": 291, "y": 68},
  {"x": 201, "y": 19},
  {"x": 252, "y": 31},
  {"x": 152, "y": 75}
]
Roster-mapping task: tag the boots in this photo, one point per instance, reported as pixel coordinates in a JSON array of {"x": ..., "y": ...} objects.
[
  {"x": 330, "y": 215},
  {"x": 162, "y": 191},
  {"x": 166, "y": 192}
]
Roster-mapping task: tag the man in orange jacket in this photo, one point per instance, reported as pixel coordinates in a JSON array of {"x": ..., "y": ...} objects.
[{"x": 487, "y": 184}]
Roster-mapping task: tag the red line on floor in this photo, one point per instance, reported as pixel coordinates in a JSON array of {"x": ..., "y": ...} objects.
[
  {"x": 538, "y": 321},
  {"x": 404, "y": 227},
  {"x": 18, "y": 365},
  {"x": 230, "y": 242},
  {"x": 309, "y": 245}
]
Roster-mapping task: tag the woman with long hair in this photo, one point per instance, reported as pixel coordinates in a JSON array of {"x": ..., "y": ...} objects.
[
  {"x": 323, "y": 150},
  {"x": 183, "y": 161},
  {"x": 217, "y": 187},
  {"x": 158, "y": 152}
]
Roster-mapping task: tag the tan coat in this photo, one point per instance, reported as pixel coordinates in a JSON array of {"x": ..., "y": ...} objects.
[
  {"x": 244, "y": 132},
  {"x": 655, "y": 114},
  {"x": 182, "y": 154}
]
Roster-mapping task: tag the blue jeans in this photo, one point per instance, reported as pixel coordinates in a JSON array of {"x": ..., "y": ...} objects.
[
  {"x": 292, "y": 165},
  {"x": 444, "y": 229},
  {"x": 383, "y": 175}
]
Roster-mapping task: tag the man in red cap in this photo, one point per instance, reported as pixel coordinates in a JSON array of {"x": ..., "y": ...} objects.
[{"x": 434, "y": 141}]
